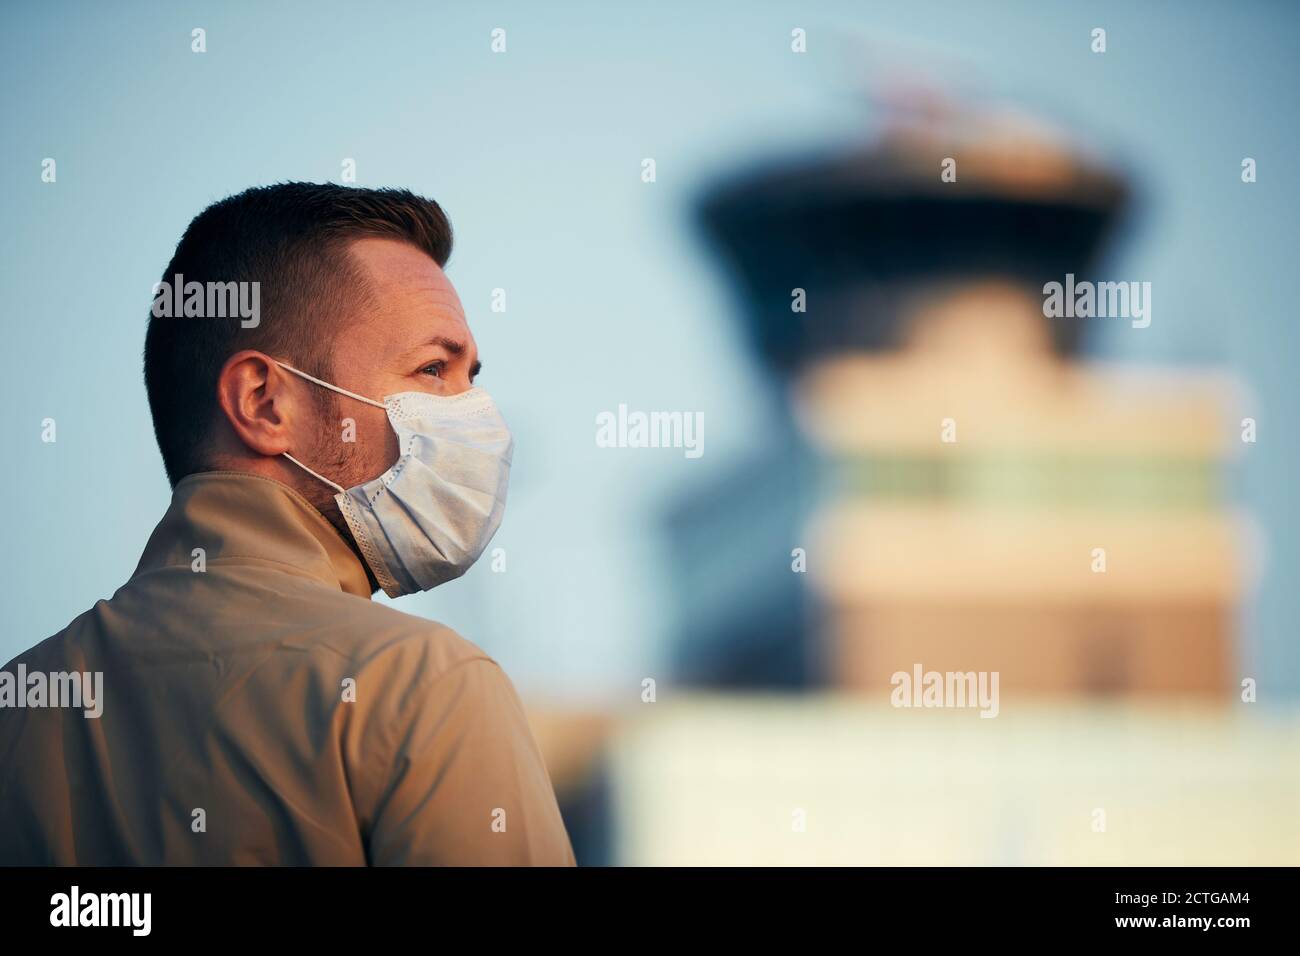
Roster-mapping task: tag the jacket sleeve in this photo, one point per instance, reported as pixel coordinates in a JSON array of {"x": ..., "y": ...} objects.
[{"x": 466, "y": 782}]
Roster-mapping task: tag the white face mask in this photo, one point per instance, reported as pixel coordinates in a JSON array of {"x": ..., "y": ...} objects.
[{"x": 428, "y": 518}]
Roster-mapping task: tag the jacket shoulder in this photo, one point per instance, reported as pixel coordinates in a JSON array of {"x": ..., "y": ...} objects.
[{"x": 378, "y": 638}]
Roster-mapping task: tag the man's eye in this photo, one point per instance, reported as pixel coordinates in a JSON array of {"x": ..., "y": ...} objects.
[{"x": 435, "y": 368}]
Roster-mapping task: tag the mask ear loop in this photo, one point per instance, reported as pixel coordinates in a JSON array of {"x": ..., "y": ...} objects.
[
  {"x": 334, "y": 388},
  {"x": 342, "y": 391},
  {"x": 339, "y": 488}
]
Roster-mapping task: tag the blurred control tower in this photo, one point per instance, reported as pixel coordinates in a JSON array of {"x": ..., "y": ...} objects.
[{"x": 967, "y": 492}]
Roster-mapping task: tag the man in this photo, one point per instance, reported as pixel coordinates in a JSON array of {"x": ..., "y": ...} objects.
[{"x": 257, "y": 706}]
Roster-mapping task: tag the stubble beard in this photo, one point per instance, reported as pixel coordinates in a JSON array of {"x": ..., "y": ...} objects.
[{"x": 342, "y": 463}]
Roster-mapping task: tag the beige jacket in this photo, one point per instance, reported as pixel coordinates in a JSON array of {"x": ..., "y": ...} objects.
[{"x": 228, "y": 734}]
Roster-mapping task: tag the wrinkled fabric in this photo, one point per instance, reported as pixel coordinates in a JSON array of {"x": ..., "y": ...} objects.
[{"x": 224, "y": 705}]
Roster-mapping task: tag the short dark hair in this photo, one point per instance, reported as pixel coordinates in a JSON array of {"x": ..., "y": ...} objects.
[{"x": 292, "y": 239}]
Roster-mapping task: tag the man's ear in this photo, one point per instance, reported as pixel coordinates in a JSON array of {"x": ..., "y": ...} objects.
[{"x": 261, "y": 402}]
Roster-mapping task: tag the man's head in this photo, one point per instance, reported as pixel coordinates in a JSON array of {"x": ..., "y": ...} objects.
[{"x": 351, "y": 291}]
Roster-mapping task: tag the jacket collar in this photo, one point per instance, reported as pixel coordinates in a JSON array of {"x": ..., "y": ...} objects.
[{"x": 233, "y": 515}]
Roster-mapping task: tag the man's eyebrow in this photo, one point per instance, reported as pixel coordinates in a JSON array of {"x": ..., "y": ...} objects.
[
  {"x": 451, "y": 345},
  {"x": 457, "y": 349}
]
